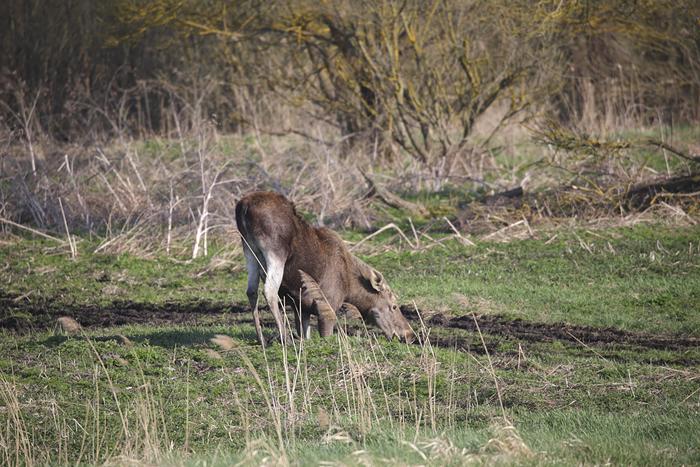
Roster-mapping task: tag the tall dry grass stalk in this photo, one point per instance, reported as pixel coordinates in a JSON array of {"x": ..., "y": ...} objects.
[
  {"x": 363, "y": 395},
  {"x": 139, "y": 436},
  {"x": 16, "y": 446}
]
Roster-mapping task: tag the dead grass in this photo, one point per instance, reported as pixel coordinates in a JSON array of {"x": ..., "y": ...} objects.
[{"x": 177, "y": 196}]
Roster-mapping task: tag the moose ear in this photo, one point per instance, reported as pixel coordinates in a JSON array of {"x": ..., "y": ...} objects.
[{"x": 377, "y": 280}]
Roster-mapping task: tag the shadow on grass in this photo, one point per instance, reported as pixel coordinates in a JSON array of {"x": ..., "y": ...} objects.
[
  {"x": 171, "y": 338},
  {"x": 165, "y": 338}
]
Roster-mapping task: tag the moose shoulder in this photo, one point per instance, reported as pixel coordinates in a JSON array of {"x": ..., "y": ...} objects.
[{"x": 311, "y": 267}]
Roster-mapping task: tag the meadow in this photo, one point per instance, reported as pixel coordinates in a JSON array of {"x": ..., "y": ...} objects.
[
  {"x": 576, "y": 347},
  {"x": 524, "y": 174}
]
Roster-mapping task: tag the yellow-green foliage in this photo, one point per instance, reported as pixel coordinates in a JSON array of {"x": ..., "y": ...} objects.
[{"x": 411, "y": 73}]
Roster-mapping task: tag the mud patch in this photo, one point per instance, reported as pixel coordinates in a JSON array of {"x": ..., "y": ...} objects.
[
  {"x": 19, "y": 315},
  {"x": 548, "y": 332}
]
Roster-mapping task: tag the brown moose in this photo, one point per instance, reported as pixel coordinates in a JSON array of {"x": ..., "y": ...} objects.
[{"x": 311, "y": 267}]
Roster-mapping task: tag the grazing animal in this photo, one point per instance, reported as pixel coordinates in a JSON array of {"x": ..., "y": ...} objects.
[{"x": 311, "y": 267}]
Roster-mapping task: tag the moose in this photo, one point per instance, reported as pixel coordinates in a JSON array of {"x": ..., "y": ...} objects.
[{"x": 310, "y": 266}]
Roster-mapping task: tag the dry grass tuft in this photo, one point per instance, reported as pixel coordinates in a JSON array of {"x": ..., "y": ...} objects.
[
  {"x": 263, "y": 453},
  {"x": 211, "y": 353},
  {"x": 69, "y": 325},
  {"x": 506, "y": 446},
  {"x": 442, "y": 449},
  {"x": 336, "y": 434},
  {"x": 125, "y": 341},
  {"x": 224, "y": 342}
]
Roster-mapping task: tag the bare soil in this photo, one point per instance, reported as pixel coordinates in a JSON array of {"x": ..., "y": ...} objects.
[
  {"x": 546, "y": 332},
  {"x": 19, "y": 315}
]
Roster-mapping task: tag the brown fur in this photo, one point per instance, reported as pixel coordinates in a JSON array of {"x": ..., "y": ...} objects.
[{"x": 269, "y": 223}]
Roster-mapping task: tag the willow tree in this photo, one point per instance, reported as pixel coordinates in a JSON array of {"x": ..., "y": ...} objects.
[
  {"x": 419, "y": 75},
  {"x": 411, "y": 73},
  {"x": 415, "y": 73}
]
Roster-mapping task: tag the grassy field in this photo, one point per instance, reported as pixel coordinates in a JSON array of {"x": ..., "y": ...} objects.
[{"x": 586, "y": 352}]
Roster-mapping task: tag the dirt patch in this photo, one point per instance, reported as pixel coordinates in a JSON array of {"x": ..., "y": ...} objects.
[
  {"x": 19, "y": 315},
  {"x": 546, "y": 332}
]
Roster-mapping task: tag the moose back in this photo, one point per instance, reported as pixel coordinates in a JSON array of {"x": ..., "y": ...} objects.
[{"x": 311, "y": 267}]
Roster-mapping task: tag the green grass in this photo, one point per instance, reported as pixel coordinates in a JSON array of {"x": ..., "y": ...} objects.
[
  {"x": 164, "y": 397},
  {"x": 45, "y": 273},
  {"x": 637, "y": 279},
  {"x": 571, "y": 437},
  {"x": 634, "y": 279}
]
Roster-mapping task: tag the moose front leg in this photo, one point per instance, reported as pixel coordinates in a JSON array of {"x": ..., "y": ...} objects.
[
  {"x": 313, "y": 299},
  {"x": 326, "y": 318},
  {"x": 302, "y": 321}
]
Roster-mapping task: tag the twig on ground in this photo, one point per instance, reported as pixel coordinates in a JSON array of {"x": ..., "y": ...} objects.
[
  {"x": 462, "y": 239},
  {"x": 435, "y": 242},
  {"x": 71, "y": 242},
  {"x": 500, "y": 231},
  {"x": 391, "y": 199},
  {"x": 415, "y": 235},
  {"x": 588, "y": 347},
  {"x": 29, "y": 229},
  {"x": 386, "y": 227},
  {"x": 529, "y": 229}
]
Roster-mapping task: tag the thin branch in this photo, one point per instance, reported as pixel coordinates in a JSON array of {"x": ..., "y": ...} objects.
[
  {"x": 464, "y": 240},
  {"x": 386, "y": 227},
  {"x": 674, "y": 150},
  {"x": 29, "y": 229}
]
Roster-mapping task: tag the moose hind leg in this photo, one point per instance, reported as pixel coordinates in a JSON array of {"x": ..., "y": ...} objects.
[
  {"x": 254, "y": 268},
  {"x": 273, "y": 281}
]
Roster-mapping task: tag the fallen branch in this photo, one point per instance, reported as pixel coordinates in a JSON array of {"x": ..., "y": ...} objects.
[
  {"x": 29, "y": 229},
  {"x": 386, "y": 227},
  {"x": 676, "y": 195},
  {"x": 391, "y": 199},
  {"x": 674, "y": 150},
  {"x": 644, "y": 195}
]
